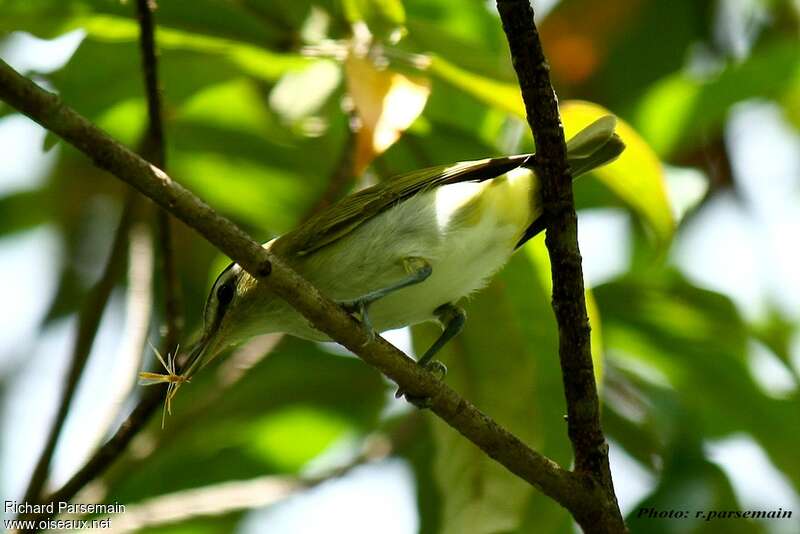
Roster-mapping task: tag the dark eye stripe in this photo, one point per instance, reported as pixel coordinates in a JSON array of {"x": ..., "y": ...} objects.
[
  {"x": 225, "y": 293},
  {"x": 228, "y": 285}
]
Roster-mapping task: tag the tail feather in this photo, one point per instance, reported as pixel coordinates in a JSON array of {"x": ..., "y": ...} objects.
[{"x": 594, "y": 146}]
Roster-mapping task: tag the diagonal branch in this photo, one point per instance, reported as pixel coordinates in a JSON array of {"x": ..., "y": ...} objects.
[
  {"x": 88, "y": 323},
  {"x": 48, "y": 110},
  {"x": 109, "y": 451},
  {"x": 569, "y": 304}
]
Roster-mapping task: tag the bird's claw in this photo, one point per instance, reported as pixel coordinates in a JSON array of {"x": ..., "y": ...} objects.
[
  {"x": 439, "y": 370},
  {"x": 358, "y": 309}
]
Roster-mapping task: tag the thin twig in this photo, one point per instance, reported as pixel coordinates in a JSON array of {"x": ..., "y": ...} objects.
[
  {"x": 88, "y": 323},
  {"x": 138, "y": 314},
  {"x": 329, "y": 318},
  {"x": 111, "y": 449},
  {"x": 569, "y": 304},
  {"x": 154, "y": 150}
]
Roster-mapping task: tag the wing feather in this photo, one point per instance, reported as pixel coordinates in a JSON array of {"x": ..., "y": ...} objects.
[
  {"x": 354, "y": 210},
  {"x": 594, "y": 146}
]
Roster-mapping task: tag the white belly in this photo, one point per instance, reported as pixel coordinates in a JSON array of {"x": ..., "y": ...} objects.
[{"x": 465, "y": 231}]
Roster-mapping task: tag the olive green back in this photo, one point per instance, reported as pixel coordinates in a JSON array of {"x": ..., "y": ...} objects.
[{"x": 595, "y": 145}]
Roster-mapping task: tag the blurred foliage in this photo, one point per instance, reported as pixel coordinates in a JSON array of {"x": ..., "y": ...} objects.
[{"x": 259, "y": 100}]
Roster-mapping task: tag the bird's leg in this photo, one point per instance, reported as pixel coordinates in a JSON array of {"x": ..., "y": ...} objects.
[
  {"x": 418, "y": 270},
  {"x": 452, "y": 319}
]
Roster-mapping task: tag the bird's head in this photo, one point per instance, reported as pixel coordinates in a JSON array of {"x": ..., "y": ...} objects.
[{"x": 237, "y": 308}]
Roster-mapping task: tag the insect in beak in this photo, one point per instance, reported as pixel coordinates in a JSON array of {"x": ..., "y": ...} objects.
[{"x": 172, "y": 378}]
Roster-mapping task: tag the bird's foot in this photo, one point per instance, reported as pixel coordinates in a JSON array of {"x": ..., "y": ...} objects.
[
  {"x": 439, "y": 370},
  {"x": 359, "y": 308}
]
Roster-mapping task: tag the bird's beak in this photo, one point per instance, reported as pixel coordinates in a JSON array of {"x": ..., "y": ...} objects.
[
  {"x": 198, "y": 357},
  {"x": 204, "y": 351}
]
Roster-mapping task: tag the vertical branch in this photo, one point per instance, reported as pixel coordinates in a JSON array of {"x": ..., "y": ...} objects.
[
  {"x": 91, "y": 312},
  {"x": 153, "y": 149},
  {"x": 541, "y": 105},
  {"x": 88, "y": 323}
]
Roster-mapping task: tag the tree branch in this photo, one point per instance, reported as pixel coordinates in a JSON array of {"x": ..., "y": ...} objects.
[
  {"x": 88, "y": 323},
  {"x": 48, "y": 110},
  {"x": 153, "y": 149},
  {"x": 569, "y": 304},
  {"x": 109, "y": 451}
]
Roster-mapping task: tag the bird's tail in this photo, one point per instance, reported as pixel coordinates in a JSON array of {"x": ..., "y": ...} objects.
[{"x": 594, "y": 146}]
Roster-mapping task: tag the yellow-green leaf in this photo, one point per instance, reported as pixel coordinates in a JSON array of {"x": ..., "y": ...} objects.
[
  {"x": 537, "y": 252},
  {"x": 500, "y": 95},
  {"x": 637, "y": 177}
]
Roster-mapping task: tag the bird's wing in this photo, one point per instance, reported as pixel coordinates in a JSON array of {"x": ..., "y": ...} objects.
[
  {"x": 594, "y": 146},
  {"x": 349, "y": 213}
]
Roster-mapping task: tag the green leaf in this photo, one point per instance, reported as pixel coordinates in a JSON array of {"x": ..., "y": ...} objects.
[
  {"x": 681, "y": 109},
  {"x": 379, "y": 15},
  {"x": 463, "y": 35},
  {"x": 245, "y": 162},
  {"x": 636, "y": 177},
  {"x": 537, "y": 253},
  {"x": 505, "y": 96},
  {"x": 675, "y": 339},
  {"x": 274, "y": 436},
  {"x": 506, "y": 362},
  {"x": 265, "y": 197},
  {"x": 24, "y": 210},
  {"x": 222, "y": 20},
  {"x": 289, "y": 408},
  {"x": 606, "y": 50},
  {"x": 687, "y": 472},
  {"x": 255, "y": 60},
  {"x": 114, "y": 66}
]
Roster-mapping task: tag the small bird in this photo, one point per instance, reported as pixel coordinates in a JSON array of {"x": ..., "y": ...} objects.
[{"x": 402, "y": 252}]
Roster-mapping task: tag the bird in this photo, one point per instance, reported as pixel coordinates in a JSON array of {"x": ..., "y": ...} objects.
[{"x": 402, "y": 252}]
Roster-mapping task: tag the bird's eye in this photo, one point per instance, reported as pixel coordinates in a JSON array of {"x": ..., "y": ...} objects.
[{"x": 225, "y": 294}]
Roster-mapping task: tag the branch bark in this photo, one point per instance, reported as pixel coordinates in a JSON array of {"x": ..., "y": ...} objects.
[
  {"x": 47, "y": 109},
  {"x": 569, "y": 304}
]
